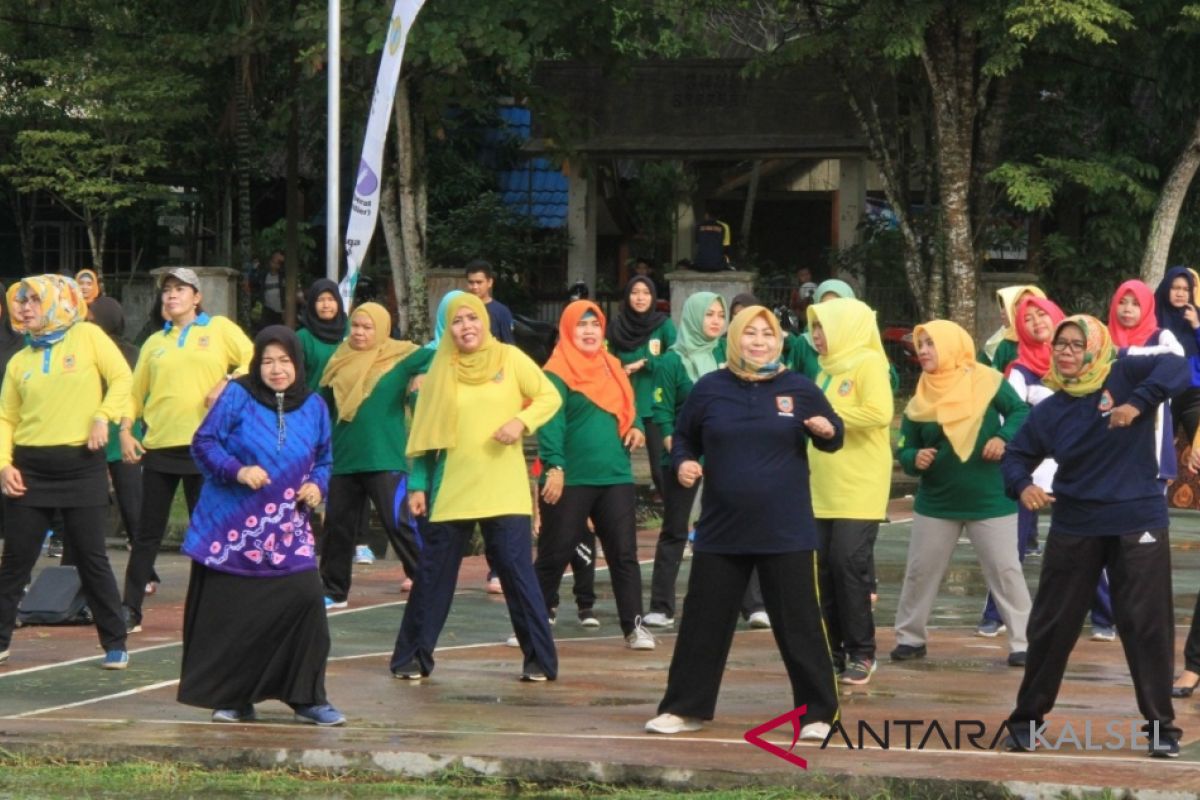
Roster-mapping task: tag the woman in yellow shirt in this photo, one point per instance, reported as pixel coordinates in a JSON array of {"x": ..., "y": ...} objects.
[
  {"x": 478, "y": 401},
  {"x": 180, "y": 372},
  {"x": 58, "y": 395},
  {"x": 850, "y": 487}
]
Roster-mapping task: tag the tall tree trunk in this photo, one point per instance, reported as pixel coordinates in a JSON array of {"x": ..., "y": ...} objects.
[
  {"x": 949, "y": 60},
  {"x": 96, "y": 227},
  {"x": 389, "y": 220},
  {"x": 24, "y": 225},
  {"x": 408, "y": 184},
  {"x": 1166, "y": 214},
  {"x": 242, "y": 142},
  {"x": 748, "y": 212}
]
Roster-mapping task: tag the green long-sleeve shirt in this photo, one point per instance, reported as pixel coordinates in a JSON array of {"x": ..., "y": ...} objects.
[
  {"x": 653, "y": 350},
  {"x": 583, "y": 439},
  {"x": 316, "y": 355},
  {"x": 374, "y": 441},
  {"x": 950, "y": 489},
  {"x": 672, "y": 385}
]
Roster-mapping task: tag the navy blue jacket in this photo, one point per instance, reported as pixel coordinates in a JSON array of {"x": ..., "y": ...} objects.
[
  {"x": 755, "y": 448},
  {"x": 502, "y": 321},
  {"x": 1107, "y": 481}
]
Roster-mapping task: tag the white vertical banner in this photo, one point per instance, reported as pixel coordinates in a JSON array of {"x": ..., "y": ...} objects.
[{"x": 364, "y": 208}]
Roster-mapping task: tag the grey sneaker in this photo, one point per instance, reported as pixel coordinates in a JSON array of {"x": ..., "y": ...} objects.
[
  {"x": 860, "y": 671},
  {"x": 1104, "y": 633},
  {"x": 640, "y": 638}
]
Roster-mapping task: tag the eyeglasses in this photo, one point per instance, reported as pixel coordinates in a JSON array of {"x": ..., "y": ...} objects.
[{"x": 1074, "y": 347}]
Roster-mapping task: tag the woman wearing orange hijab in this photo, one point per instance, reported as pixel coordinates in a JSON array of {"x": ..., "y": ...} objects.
[{"x": 585, "y": 449}]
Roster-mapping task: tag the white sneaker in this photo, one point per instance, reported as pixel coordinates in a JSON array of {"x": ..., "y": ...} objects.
[
  {"x": 511, "y": 641},
  {"x": 656, "y": 620},
  {"x": 363, "y": 555},
  {"x": 669, "y": 723},
  {"x": 4, "y": 656},
  {"x": 759, "y": 619},
  {"x": 815, "y": 731},
  {"x": 640, "y": 638}
]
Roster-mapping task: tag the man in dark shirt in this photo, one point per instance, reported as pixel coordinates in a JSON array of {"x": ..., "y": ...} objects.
[
  {"x": 712, "y": 238},
  {"x": 480, "y": 279}
]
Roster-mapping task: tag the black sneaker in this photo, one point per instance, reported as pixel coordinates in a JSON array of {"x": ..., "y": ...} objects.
[
  {"x": 1164, "y": 748},
  {"x": 587, "y": 618},
  {"x": 908, "y": 652},
  {"x": 533, "y": 674},
  {"x": 409, "y": 672},
  {"x": 1016, "y": 659},
  {"x": 1018, "y": 739},
  {"x": 132, "y": 623}
]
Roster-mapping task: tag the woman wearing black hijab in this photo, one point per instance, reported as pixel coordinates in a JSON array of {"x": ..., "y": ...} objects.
[
  {"x": 254, "y": 624},
  {"x": 323, "y": 325},
  {"x": 639, "y": 336}
]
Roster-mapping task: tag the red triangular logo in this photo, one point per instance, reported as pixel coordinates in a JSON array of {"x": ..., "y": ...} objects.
[{"x": 754, "y": 736}]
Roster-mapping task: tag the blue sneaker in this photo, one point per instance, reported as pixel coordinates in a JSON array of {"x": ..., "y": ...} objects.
[
  {"x": 115, "y": 659},
  {"x": 234, "y": 714},
  {"x": 324, "y": 716},
  {"x": 331, "y": 604}
]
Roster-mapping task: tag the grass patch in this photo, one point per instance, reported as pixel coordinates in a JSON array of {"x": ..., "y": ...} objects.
[{"x": 22, "y": 777}]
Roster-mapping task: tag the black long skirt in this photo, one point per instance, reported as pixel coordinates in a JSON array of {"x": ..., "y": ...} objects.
[{"x": 251, "y": 639}]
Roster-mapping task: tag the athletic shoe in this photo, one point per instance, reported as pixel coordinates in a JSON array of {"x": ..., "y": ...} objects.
[
  {"x": 1018, "y": 739},
  {"x": 409, "y": 672},
  {"x": 908, "y": 652},
  {"x": 132, "y": 624},
  {"x": 553, "y": 618},
  {"x": 331, "y": 604},
  {"x": 151, "y": 588},
  {"x": 990, "y": 629},
  {"x": 1164, "y": 748},
  {"x": 639, "y": 638},
  {"x": 364, "y": 555},
  {"x": 323, "y": 716},
  {"x": 670, "y": 723},
  {"x": 687, "y": 551},
  {"x": 115, "y": 659},
  {"x": 587, "y": 618},
  {"x": 4, "y": 654},
  {"x": 534, "y": 674},
  {"x": 234, "y": 714},
  {"x": 1016, "y": 659},
  {"x": 407, "y": 585},
  {"x": 815, "y": 731},
  {"x": 860, "y": 671},
  {"x": 759, "y": 620},
  {"x": 55, "y": 549},
  {"x": 511, "y": 641},
  {"x": 494, "y": 587},
  {"x": 656, "y": 620},
  {"x": 1104, "y": 633},
  {"x": 1034, "y": 552}
]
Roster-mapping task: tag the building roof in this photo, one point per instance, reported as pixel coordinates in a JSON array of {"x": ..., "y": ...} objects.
[{"x": 537, "y": 187}]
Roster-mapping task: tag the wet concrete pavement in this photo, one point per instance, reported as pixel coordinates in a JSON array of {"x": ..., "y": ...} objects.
[{"x": 474, "y": 716}]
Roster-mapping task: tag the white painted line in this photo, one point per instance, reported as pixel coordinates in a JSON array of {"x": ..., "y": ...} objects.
[
  {"x": 74, "y": 661},
  {"x": 128, "y": 693}
]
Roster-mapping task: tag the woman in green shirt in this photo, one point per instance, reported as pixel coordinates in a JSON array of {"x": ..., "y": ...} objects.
[
  {"x": 367, "y": 382},
  {"x": 953, "y": 436},
  {"x": 322, "y": 328},
  {"x": 639, "y": 337}
]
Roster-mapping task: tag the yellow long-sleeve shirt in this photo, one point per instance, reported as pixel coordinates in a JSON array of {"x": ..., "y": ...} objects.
[
  {"x": 480, "y": 477},
  {"x": 853, "y": 483},
  {"x": 176, "y": 369},
  {"x": 51, "y": 396}
]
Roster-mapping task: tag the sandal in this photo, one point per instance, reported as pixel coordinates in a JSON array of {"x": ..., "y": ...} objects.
[{"x": 1179, "y": 692}]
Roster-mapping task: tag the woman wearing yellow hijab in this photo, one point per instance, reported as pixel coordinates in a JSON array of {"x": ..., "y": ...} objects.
[
  {"x": 850, "y": 487},
  {"x": 479, "y": 400},
  {"x": 752, "y": 424},
  {"x": 366, "y": 385},
  {"x": 1108, "y": 511},
  {"x": 952, "y": 437}
]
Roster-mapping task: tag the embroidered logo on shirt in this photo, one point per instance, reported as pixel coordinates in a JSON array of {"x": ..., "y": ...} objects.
[
  {"x": 202, "y": 342},
  {"x": 499, "y": 378},
  {"x": 655, "y": 347},
  {"x": 785, "y": 405},
  {"x": 1147, "y": 538},
  {"x": 1106, "y": 401},
  {"x": 68, "y": 363},
  {"x": 28, "y": 374},
  {"x": 846, "y": 387}
]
